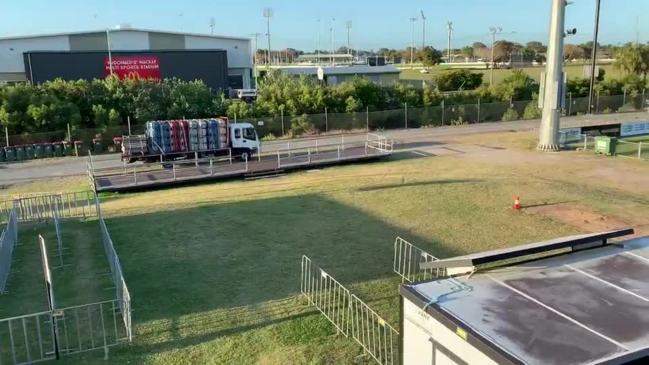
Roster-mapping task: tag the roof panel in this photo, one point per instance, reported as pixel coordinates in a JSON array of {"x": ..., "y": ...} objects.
[{"x": 575, "y": 308}]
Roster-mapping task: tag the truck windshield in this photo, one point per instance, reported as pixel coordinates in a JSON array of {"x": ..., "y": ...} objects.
[{"x": 249, "y": 133}]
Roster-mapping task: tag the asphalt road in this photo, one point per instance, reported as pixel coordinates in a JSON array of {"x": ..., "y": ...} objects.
[{"x": 11, "y": 173}]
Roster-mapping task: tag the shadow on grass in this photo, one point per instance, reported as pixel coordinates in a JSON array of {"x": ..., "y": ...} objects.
[
  {"x": 233, "y": 254},
  {"x": 418, "y": 183}
]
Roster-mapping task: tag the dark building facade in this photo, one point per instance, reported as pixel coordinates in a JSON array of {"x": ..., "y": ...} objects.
[{"x": 210, "y": 66}]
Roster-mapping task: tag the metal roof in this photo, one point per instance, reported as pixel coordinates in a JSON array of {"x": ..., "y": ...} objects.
[
  {"x": 125, "y": 29},
  {"x": 589, "y": 306}
]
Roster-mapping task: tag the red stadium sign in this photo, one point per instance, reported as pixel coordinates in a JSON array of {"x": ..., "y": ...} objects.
[{"x": 134, "y": 67}]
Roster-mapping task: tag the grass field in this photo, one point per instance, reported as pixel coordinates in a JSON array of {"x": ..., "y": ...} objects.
[
  {"x": 213, "y": 270},
  {"x": 573, "y": 71}
]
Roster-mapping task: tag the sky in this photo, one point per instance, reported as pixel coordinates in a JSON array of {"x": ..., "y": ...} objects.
[{"x": 375, "y": 23}]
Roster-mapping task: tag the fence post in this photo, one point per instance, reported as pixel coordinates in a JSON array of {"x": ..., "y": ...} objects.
[
  {"x": 308, "y": 151},
  {"x": 196, "y": 159},
  {"x": 585, "y": 142},
  {"x": 478, "y": 110},
  {"x": 230, "y": 155},
  {"x": 367, "y": 118},
  {"x": 326, "y": 121},
  {"x": 569, "y": 104},
  {"x": 640, "y": 151},
  {"x": 443, "y": 111},
  {"x": 278, "y": 160},
  {"x": 405, "y": 114},
  {"x": 7, "y": 135},
  {"x": 316, "y": 145},
  {"x": 597, "y": 103},
  {"x": 173, "y": 169},
  {"x": 128, "y": 120},
  {"x": 281, "y": 111},
  {"x": 338, "y": 148},
  {"x": 211, "y": 167},
  {"x": 134, "y": 175},
  {"x": 342, "y": 141},
  {"x": 245, "y": 157},
  {"x": 643, "y": 99}
]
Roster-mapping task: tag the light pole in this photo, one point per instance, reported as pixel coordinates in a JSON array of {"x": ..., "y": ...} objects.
[
  {"x": 318, "y": 45},
  {"x": 423, "y": 31},
  {"x": 254, "y": 58},
  {"x": 549, "y": 130},
  {"x": 332, "y": 38},
  {"x": 412, "y": 42},
  {"x": 212, "y": 24},
  {"x": 110, "y": 55},
  {"x": 593, "y": 60},
  {"x": 268, "y": 13},
  {"x": 494, "y": 31},
  {"x": 450, "y": 34},
  {"x": 348, "y": 25}
]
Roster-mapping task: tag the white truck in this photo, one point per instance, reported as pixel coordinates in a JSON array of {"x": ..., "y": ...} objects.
[{"x": 179, "y": 139}]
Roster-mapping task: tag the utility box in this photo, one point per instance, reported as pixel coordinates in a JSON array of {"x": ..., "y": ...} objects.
[{"x": 605, "y": 145}]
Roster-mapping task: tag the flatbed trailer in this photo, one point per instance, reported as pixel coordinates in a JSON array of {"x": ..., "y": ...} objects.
[{"x": 201, "y": 169}]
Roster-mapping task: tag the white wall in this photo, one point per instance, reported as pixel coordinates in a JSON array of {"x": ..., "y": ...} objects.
[
  {"x": 239, "y": 51},
  {"x": 129, "y": 40},
  {"x": 11, "y": 50},
  {"x": 419, "y": 328}
]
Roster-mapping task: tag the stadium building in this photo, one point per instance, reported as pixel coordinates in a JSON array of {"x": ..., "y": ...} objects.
[{"x": 221, "y": 62}]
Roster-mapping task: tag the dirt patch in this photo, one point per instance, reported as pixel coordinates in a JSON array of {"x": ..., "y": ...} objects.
[{"x": 587, "y": 220}]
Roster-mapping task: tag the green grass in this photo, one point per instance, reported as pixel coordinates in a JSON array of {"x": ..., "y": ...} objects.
[
  {"x": 573, "y": 71},
  {"x": 213, "y": 270}
]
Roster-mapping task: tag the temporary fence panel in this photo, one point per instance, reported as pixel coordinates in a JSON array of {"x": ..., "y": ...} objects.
[
  {"x": 8, "y": 239},
  {"x": 59, "y": 240},
  {"x": 27, "y": 339},
  {"x": 89, "y": 327},
  {"x": 372, "y": 332},
  {"x": 349, "y": 314},
  {"x": 408, "y": 257},
  {"x": 121, "y": 290},
  {"x": 41, "y": 206},
  {"x": 326, "y": 294}
]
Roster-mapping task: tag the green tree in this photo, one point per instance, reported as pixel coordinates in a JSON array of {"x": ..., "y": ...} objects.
[
  {"x": 517, "y": 86},
  {"x": 429, "y": 56},
  {"x": 454, "y": 80},
  {"x": 633, "y": 59}
]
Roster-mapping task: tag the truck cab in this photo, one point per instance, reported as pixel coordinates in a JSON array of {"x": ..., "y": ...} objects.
[{"x": 244, "y": 140}]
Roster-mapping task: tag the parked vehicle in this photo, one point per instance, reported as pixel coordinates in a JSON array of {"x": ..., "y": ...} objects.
[{"x": 168, "y": 140}]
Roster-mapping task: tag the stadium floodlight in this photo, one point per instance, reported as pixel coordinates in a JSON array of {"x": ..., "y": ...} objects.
[{"x": 268, "y": 13}]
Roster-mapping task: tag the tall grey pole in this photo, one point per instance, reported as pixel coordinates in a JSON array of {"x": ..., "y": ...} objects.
[
  {"x": 593, "y": 59},
  {"x": 549, "y": 131},
  {"x": 423, "y": 30},
  {"x": 450, "y": 34},
  {"x": 318, "y": 45},
  {"x": 268, "y": 13},
  {"x": 348, "y": 25},
  {"x": 412, "y": 42},
  {"x": 110, "y": 55},
  {"x": 493, "y": 31},
  {"x": 7, "y": 136}
]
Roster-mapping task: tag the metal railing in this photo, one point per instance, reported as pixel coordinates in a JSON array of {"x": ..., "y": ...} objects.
[
  {"x": 377, "y": 337},
  {"x": 27, "y": 339},
  {"x": 408, "y": 257},
  {"x": 326, "y": 294},
  {"x": 636, "y": 150},
  {"x": 41, "y": 206},
  {"x": 8, "y": 240},
  {"x": 121, "y": 290},
  {"x": 349, "y": 314}
]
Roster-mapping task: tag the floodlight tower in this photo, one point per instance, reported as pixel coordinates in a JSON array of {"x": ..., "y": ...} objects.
[
  {"x": 494, "y": 31},
  {"x": 450, "y": 36},
  {"x": 268, "y": 13},
  {"x": 348, "y": 25},
  {"x": 412, "y": 42},
  {"x": 423, "y": 31},
  {"x": 549, "y": 131}
]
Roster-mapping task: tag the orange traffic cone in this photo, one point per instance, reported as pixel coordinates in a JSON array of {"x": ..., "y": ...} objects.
[{"x": 517, "y": 203}]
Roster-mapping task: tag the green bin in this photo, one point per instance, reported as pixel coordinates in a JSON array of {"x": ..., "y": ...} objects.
[
  {"x": 58, "y": 149},
  {"x": 68, "y": 149},
  {"x": 2, "y": 155},
  {"x": 605, "y": 145},
  {"x": 79, "y": 148},
  {"x": 98, "y": 147},
  {"x": 10, "y": 154},
  {"x": 20, "y": 153},
  {"x": 47, "y": 150},
  {"x": 38, "y": 151},
  {"x": 29, "y": 152}
]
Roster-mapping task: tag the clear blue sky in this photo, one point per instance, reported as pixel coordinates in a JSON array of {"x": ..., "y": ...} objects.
[{"x": 376, "y": 23}]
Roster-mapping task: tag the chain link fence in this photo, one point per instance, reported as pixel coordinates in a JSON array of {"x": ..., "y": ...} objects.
[{"x": 447, "y": 113}]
